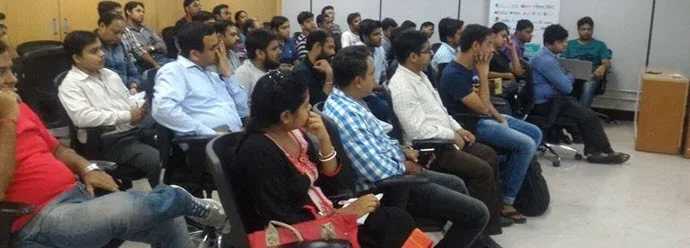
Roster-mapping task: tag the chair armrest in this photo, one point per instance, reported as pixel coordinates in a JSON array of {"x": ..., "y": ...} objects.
[
  {"x": 432, "y": 143},
  {"x": 106, "y": 166},
  {"x": 192, "y": 140},
  {"x": 341, "y": 196},
  {"x": 14, "y": 209},
  {"x": 400, "y": 180}
]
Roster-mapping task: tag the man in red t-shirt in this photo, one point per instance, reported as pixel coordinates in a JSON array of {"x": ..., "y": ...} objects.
[{"x": 36, "y": 170}]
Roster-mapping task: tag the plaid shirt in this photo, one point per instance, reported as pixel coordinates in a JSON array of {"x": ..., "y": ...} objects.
[
  {"x": 445, "y": 54},
  {"x": 374, "y": 155},
  {"x": 139, "y": 39}
]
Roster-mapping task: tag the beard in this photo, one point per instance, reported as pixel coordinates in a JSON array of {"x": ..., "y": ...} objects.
[
  {"x": 270, "y": 65},
  {"x": 325, "y": 56}
]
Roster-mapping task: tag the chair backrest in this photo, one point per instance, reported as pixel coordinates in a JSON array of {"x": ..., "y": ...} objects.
[
  {"x": 220, "y": 154},
  {"x": 169, "y": 34},
  {"x": 149, "y": 81},
  {"x": 318, "y": 107},
  {"x": 344, "y": 182},
  {"x": 35, "y": 45},
  {"x": 396, "y": 133},
  {"x": 435, "y": 47},
  {"x": 37, "y": 87}
]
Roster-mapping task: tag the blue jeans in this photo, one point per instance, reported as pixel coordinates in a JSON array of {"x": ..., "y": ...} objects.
[
  {"x": 521, "y": 139},
  {"x": 588, "y": 90},
  {"x": 75, "y": 219}
]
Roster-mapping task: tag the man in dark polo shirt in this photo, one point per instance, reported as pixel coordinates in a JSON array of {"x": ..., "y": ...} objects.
[{"x": 315, "y": 68}]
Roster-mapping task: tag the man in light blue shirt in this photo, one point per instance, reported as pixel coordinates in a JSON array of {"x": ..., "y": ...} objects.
[
  {"x": 371, "y": 34},
  {"x": 449, "y": 30},
  {"x": 191, "y": 100}
]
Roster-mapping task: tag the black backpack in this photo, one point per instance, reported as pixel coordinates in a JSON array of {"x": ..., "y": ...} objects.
[{"x": 533, "y": 198}]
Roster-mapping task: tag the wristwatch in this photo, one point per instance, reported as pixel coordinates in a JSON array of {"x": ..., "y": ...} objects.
[{"x": 90, "y": 168}]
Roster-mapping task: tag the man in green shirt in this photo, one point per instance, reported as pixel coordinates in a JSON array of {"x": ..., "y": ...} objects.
[{"x": 590, "y": 49}]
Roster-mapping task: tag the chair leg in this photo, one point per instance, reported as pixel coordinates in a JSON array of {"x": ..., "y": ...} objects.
[{"x": 556, "y": 162}]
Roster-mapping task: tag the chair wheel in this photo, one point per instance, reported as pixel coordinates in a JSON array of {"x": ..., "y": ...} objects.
[
  {"x": 556, "y": 163},
  {"x": 579, "y": 157}
]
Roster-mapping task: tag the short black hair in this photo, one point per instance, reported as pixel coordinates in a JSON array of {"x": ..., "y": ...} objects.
[
  {"x": 499, "y": 26},
  {"x": 221, "y": 26},
  {"x": 448, "y": 27},
  {"x": 585, "y": 20},
  {"x": 219, "y": 8},
  {"x": 258, "y": 39},
  {"x": 2, "y": 17},
  {"x": 553, "y": 33},
  {"x": 523, "y": 24},
  {"x": 238, "y": 14},
  {"x": 249, "y": 23},
  {"x": 191, "y": 37},
  {"x": 351, "y": 17},
  {"x": 321, "y": 18},
  {"x": 408, "y": 24},
  {"x": 107, "y": 6},
  {"x": 132, "y": 5},
  {"x": 472, "y": 33},
  {"x": 109, "y": 17},
  {"x": 203, "y": 16},
  {"x": 427, "y": 24},
  {"x": 275, "y": 93},
  {"x": 75, "y": 42},
  {"x": 349, "y": 63},
  {"x": 186, "y": 3},
  {"x": 278, "y": 21},
  {"x": 367, "y": 27},
  {"x": 319, "y": 36},
  {"x": 388, "y": 23},
  {"x": 408, "y": 42},
  {"x": 303, "y": 16},
  {"x": 3, "y": 47},
  {"x": 324, "y": 9}
]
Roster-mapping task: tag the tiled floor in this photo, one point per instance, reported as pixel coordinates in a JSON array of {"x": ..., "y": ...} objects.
[{"x": 644, "y": 203}]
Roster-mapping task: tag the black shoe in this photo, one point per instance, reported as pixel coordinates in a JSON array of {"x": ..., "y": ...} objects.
[{"x": 506, "y": 222}]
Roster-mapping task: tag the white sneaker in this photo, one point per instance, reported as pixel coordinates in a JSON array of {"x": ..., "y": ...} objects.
[{"x": 216, "y": 215}]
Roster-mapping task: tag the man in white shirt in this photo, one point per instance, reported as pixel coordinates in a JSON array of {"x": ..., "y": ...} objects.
[
  {"x": 263, "y": 51},
  {"x": 422, "y": 115},
  {"x": 94, "y": 96},
  {"x": 351, "y": 37}
]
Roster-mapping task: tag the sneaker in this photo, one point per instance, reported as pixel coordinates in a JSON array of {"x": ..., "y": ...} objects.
[{"x": 207, "y": 212}]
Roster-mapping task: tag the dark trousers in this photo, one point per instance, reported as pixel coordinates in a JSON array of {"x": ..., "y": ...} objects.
[
  {"x": 136, "y": 151},
  {"x": 586, "y": 119},
  {"x": 445, "y": 198},
  {"x": 386, "y": 227},
  {"x": 477, "y": 165}
]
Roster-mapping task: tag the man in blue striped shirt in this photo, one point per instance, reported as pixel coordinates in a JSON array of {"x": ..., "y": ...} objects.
[{"x": 375, "y": 156}]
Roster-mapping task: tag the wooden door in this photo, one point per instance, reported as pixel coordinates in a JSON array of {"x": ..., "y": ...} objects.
[
  {"x": 263, "y": 11},
  {"x": 78, "y": 15},
  {"x": 32, "y": 20},
  {"x": 167, "y": 13}
]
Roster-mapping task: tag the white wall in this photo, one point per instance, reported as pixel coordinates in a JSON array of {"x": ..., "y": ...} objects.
[
  {"x": 623, "y": 24},
  {"x": 292, "y": 8}
]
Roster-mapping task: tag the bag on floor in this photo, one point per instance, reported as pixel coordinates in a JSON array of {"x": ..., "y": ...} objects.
[
  {"x": 338, "y": 231},
  {"x": 533, "y": 198},
  {"x": 418, "y": 239}
]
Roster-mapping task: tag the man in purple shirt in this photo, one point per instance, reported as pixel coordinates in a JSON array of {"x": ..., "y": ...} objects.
[{"x": 523, "y": 34}]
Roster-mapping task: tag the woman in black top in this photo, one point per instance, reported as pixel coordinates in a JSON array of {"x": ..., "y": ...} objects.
[{"x": 280, "y": 165}]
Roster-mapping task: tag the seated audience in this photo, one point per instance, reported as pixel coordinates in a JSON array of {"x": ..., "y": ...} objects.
[
  {"x": 188, "y": 98},
  {"x": 552, "y": 83},
  {"x": 36, "y": 170},
  {"x": 204, "y": 17},
  {"x": 523, "y": 34},
  {"x": 330, "y": 12},
  {"x": 449, "y": 31},
  {"x": 315, "y": 68},
  {"x": 240, "y": 18},
  {"x": 375, "y": 156},
  {"x": 388, "y": 25},
  {"x": 229, "y": 35},
  {"x": 5, "y": 39},
  {"x": 422, "y": 116},
  {"x": 502, "y": 66},
  {"x": 222, "y": 13},
  {"x": 248, "y": 26},
  {"x": 324, "y": 22},
  {"x": 427, "y": 29},
  {"x": 264, "y": 54},
  {"x": 351, "y": 37},
  {"x": 117, "y": 56},
  {"x": 407, "y": 24},
  {"x": 191, "y": 8},
  {"x": 94, "y": 96},
  {"x": 306, "y": 22},
  {"x": 590, "y": 49},
  {"x": 149, "y": 49},
  {"x": 519, "y": 138},
  {"x": 109, "y": 6},
  {"x": 282, "y": 167},
  {"x": 280, "y": 26},
  {"x": 371, "y": 35}
]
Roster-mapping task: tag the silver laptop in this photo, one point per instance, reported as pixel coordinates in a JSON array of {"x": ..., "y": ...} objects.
[{"x": 581, "y": 69}]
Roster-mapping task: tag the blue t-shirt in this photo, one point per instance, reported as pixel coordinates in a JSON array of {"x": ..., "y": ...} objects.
[
  {"x": 289, "y": 50},
  {"x": 456, "y": 83}
]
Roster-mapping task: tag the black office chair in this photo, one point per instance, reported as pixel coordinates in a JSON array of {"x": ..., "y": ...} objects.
[
  {"x": 35, "y": 45},
  {"x": 169, "y": 34},
  {"x": 435, "y": 47},
  {"x": 36, "y": 84}
]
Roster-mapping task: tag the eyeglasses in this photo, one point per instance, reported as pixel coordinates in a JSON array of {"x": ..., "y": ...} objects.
[{"x": 428, "y": 51}]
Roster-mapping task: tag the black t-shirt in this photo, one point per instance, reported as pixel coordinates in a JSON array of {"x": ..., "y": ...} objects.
[
  {"x": 306, "y": 73},
  {"x": 456, "y": 83},
  {"x": 500, "y": 63}
]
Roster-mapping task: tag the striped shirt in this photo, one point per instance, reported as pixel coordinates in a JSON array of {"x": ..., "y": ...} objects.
[
  {"x": 141, "y": 38},
  {"x": 374, "y": 155},
  {"x": 301, "y": 40},
  {"x": 445, "y": 54}
]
